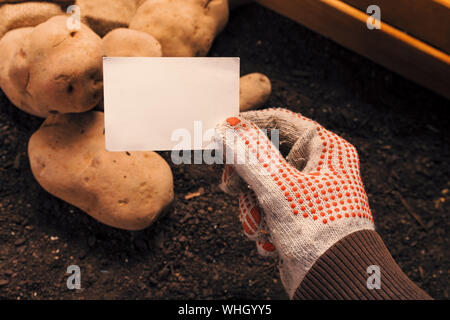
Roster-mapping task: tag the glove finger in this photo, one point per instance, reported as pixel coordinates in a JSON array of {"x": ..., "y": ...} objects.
[
  {"x": 252, "y": 219},
  {"x": 297, "y": 135},
  {"x": 250, "y": 153},
  {"x": 250, "y": 215},
  {"x": 231, "y": 183},
  {"x": 266, "y": 248},
  {"x": 310, "y": 147}
]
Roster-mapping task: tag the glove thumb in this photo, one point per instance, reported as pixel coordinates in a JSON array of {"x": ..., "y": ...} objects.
[{"x": 250, "y": 152}]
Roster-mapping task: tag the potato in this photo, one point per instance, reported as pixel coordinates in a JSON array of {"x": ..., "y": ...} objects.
[
  {"x": 123, "y": 42},
  {"x": 55, "y": 1},
  {"x": 27, "y": 14},
  {"x": 52, "y": 69},
  {"x": 105, "y": 15},
  {"x": 126, "y": 190},
  {"x": 10, "y": 45},
  {"x": 255, "y": 89},
  {"x": 185, "y": 28}
]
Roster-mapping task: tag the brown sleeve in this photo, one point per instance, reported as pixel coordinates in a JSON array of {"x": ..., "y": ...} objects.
[{"x": 341, "y": 272}]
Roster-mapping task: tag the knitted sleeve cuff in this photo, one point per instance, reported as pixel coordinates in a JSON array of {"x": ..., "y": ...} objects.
[{"x": 342, "y": 273}]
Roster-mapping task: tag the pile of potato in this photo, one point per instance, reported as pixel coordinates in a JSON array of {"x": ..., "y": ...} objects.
[{"x": 52, "y": 71}]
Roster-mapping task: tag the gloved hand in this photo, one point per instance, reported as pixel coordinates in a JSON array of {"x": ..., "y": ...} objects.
[{"x": 296, "y": 207}]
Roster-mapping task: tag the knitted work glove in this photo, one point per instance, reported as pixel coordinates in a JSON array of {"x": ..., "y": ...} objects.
[{"x": 296, "y": 207}]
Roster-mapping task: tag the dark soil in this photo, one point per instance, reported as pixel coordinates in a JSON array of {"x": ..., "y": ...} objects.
[{"x": 197, "y": 250}]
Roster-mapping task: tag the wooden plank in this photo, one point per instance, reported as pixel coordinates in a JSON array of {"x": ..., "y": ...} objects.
[
  {"x": 428, "y": 20},
  {"x": 388, "y": 46}
]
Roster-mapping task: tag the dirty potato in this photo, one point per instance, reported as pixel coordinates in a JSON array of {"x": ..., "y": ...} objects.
[
  {"x": 10, "y": 45},
  {"x": 124, "y": 42},
  {"x": 126, "y": 190},
  {"x": 53, "y": 69},
  {"x": 255, "y": 89},
  {"x": 27, "y": 14},
  {"x": 185, "y": 28},
  {"x": 103, "y": 16}
]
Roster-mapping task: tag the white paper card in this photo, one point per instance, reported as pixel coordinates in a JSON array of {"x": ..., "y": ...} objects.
[{"x": 154, "y": 103}]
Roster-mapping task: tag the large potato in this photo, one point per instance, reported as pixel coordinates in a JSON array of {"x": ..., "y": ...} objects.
[
  {"x": 126, "y": 190},
  {"x": 254, "y": 90},
  {"x": 124, "y": 42},
  {"x": 185, "y": 28},
  {"x": 105, "y": 15},
  {"x": 10, "y": 45},
  {"x": 27, "y": 14},
  {"x": 53, "y": 69}
]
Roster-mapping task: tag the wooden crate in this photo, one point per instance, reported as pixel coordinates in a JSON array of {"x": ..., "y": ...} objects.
[{"x": 414, "y": 39}]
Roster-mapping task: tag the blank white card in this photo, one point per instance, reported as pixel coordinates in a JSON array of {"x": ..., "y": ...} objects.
[{"x": 167, "y": 103}]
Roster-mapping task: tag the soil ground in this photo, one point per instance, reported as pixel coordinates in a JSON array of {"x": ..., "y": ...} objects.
[{"x": 197, "y": 251}]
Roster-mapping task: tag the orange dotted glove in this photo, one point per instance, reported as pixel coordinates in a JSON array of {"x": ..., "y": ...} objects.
[{"x": 296, "y": 207}]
